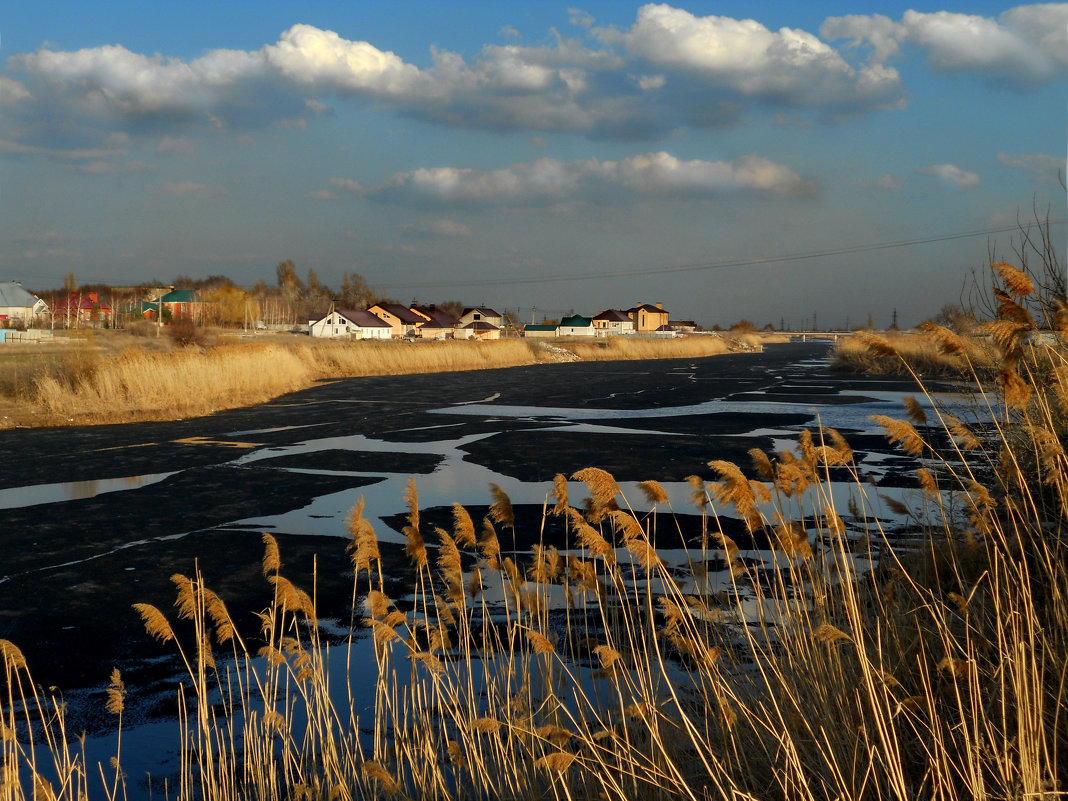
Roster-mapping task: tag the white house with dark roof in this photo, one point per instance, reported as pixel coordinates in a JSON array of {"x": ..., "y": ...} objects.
[
  {"x": 481, "y": 314},
  {"x": 18, "y": 306},
  {"x": 350, "y": 324},
  {"x": 613, "y": 322},
  {"x": 575, "y": 326}
]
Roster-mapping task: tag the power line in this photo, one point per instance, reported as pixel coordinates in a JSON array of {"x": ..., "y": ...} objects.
[{"x": 712, "y": 265}]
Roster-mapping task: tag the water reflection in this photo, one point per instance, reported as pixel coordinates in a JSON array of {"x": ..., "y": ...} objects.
[{"x": 18, "y": 497}]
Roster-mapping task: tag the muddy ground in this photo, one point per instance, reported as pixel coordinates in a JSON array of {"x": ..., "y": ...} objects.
[{"x": 70, "y": 570}]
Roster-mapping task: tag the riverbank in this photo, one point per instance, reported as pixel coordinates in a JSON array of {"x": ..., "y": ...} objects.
[{"x": 107, "y": 378}]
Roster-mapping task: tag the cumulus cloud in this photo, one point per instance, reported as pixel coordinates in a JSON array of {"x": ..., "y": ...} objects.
[
  {"x": 547, "y": 181},
  {"x": 11, "y": 91},
  {"x": 610, "y": 85},
  {"x": 953, "y": 174},
  {"x": 1041, "y": 165},
  {"x": 668, "y": 70},
  {"x": 1024, "y": 46},
  {"x": 788, "y": 66}
]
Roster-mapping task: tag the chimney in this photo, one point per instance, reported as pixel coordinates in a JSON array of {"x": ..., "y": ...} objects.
[{"x": 659, "y": 305}]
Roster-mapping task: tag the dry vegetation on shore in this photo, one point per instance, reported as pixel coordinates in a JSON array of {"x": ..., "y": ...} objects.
[
  {"x": 87, "y": 383},
  {"x": 837, "y": 666}
]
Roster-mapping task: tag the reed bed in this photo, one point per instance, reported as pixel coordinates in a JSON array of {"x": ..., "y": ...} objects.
[
  {"x": 835, "y": 663},
  {"x": 921, "y": 352},
  {"x": 633, "y": 348},
  {"x": 140, "y": 383}
]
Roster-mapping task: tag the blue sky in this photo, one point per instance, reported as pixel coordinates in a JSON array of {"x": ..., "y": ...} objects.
[{"x": 564, "y": 157}]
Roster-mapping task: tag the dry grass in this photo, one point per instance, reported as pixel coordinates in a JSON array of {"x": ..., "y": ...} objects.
[
  {"x": 934, "y": 352},
  {"x": 836, "y": 666},
  {"x": 123, "y": 378}
]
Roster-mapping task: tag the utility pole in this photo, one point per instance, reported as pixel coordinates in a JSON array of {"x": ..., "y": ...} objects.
[{"x": 894, "y": 324}]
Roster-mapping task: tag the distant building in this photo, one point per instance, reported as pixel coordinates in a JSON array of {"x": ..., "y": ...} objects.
[
  {"x": 18, "y": 306},
  {"x": 438, "y": 324},
  {"x": 540, "y": 330},
  {"x": 481, "y": 314},
  {"x": 401, "y": 319},
  {"x": 184, "y": 303},
  {"x": 648, "y": 318},
  {"x": 613, "y": 322},
  {"x": 575, "y": 326},
  {"x": 350, "y": 324}
]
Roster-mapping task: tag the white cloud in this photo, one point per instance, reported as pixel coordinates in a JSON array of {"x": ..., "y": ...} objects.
[
  {"x": 1025, "y": 46},
  {"x": 322, "y": 194},
  {"x": 347, "y": 184},
  {"x": 713, "y": 67},
  {"x": 1041, "y": 165},
  {"x": 547, "y": 181},
  {"x": 443, "y": 228},
  {"x": 890, "y": 183},
  {"x": 953, "y": 174},
  {"x": 11, "y": 91},
  {"x": 185, "y": 188},
  {"x": 788, "y": 66},
  {"x": 670, "y": 69}
]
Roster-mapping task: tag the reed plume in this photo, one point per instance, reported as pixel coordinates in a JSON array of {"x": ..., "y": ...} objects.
[{"x": 601, "y": 485}]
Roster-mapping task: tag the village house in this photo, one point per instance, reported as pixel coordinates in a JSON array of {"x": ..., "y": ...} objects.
[
  {"x": 477, "y": 314},
  {"x": 613, "y": 322},
  {"x": 576, "y": 326},
  {"x": 82, "y": 310},
  {"x": 540, "y": 330},
  {"x": 401, "y": 319},
  {"x": 184, "y": 304},
  {"x": 438, "y": 324},
  {"x": 350, "y": 324},
  {"x": 19, "y": 307},
  {"x": 648, "y": 318},
  {"x": 479, "y": 322}
]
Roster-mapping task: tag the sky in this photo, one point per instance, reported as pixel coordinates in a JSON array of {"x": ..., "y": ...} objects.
[{"x": 787, "y": 163}]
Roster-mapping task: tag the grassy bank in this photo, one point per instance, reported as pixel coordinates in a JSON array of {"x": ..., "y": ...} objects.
[
  {"x": 90, "y": 383},
  {"x": 935, "y": 351}
]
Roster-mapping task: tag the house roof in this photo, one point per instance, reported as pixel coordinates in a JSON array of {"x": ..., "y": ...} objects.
[
  {"x": 613, "y": 316},
  {"x": 649, "y": 307},
  {"x": 482, "y": 325},
  {"x": 576, "y": 321},
  {"x": 540, "y": 327},
  {"x": 402, "y": 313},
  {"x": 361, "y": 319},
  {"x": 482, "y": 310},
  {"x": 13, "y": 295},
  {"x": 442, "y": 319},
  {"x": 183, "y": 296}
]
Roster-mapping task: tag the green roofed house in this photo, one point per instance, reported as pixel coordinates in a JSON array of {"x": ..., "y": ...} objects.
[
  {"x": 186, "y": 303},
  {"x": 576, "y": 326},
  {"x": 540, "y": 330}
]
